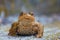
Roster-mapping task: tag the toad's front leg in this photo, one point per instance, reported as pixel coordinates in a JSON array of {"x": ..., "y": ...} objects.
[
  {"x": 39, "y": 29},
  {"x": 12, "y": 31}
]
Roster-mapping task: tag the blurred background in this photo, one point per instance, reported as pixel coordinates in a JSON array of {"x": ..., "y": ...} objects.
[
  {"x": 46, "y": 12},
  {"x": 41, "y": 8}
]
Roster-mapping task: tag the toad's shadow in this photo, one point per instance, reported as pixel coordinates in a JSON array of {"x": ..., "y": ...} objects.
[{"x": 26, "y": 35}]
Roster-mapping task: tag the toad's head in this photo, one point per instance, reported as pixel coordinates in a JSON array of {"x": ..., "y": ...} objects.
[{"x": 27, "y": 17}]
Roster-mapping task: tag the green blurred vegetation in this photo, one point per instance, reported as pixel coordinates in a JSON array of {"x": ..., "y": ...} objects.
[{"x": 41, "y": 6}]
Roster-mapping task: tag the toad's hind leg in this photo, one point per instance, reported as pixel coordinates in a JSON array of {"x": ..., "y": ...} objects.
[{"x": 12, "y": 31}]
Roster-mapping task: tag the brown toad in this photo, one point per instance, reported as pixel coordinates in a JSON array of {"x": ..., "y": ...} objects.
[{"x": 26, "y": 25}]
